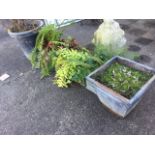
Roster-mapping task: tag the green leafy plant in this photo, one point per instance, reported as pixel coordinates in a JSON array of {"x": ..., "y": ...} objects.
[
  {"x": 46, "y": 34},
  {"x": 48, "y": 40},
  {"x": 107, "y": 52},
  {"x": 73, "y": 65},
  {"x": 123, "y": 79},
  {"x": 48, "y": 43},
  {"x": 70, "y": 61}
]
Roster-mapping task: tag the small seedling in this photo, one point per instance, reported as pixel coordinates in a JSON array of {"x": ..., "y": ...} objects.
[{"x": 123, "y": 79}]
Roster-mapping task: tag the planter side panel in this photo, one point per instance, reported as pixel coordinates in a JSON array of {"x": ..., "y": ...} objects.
[{"x": 111, "y": 102}]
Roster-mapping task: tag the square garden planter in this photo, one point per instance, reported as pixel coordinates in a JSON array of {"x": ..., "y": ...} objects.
[{"x": 114, "y": 101}]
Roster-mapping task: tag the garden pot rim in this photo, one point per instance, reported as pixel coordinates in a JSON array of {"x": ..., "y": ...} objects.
[
  {"x": 25, "y": 33},
  {"x": 111, "y": 92}
]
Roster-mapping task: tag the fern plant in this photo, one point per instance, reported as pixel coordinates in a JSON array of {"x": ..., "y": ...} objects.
[
  {"x": 46, "y": 34},
  {"x": 47, "y": 41}
]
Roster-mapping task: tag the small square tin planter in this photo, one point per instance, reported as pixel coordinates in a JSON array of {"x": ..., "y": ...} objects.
[{"x": 117, "y": 103}]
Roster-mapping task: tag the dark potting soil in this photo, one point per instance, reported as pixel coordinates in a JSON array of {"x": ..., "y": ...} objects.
[
  {"x": 27, "y": 27},
  {"x": 123, "y": 79}
]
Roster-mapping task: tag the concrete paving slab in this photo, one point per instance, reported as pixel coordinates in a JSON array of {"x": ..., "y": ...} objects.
[{"x": 29, "y": 105}]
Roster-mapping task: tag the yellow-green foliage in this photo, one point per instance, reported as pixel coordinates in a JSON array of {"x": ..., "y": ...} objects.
[{"x": 73, "y": 66}]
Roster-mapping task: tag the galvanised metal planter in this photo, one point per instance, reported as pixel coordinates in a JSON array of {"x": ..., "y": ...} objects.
[{"x": 117, "y": 103}]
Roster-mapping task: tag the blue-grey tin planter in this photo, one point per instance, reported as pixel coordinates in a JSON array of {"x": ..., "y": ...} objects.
[
  {"x": 27, "y": 39},
  {"x": 117, "y": 103}
]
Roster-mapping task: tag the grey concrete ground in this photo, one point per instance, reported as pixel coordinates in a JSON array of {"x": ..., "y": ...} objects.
[{"x": 29, "y": 105}]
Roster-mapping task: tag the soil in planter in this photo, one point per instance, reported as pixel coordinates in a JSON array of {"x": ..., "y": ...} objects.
[
  {"x": 21, "y": 25},
  {"x": 26, "y": 27},
  {"x": 123, "y": 79}
]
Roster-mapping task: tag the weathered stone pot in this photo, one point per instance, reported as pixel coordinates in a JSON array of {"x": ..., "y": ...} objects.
[
  {"x": 117, "y": 103},
  {"x": 27, "y": 39}
]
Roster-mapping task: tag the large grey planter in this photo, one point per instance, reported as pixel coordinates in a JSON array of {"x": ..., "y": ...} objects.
[
  {"x": 117, "y": 103},
  {"x": 27, "y": 39}
]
